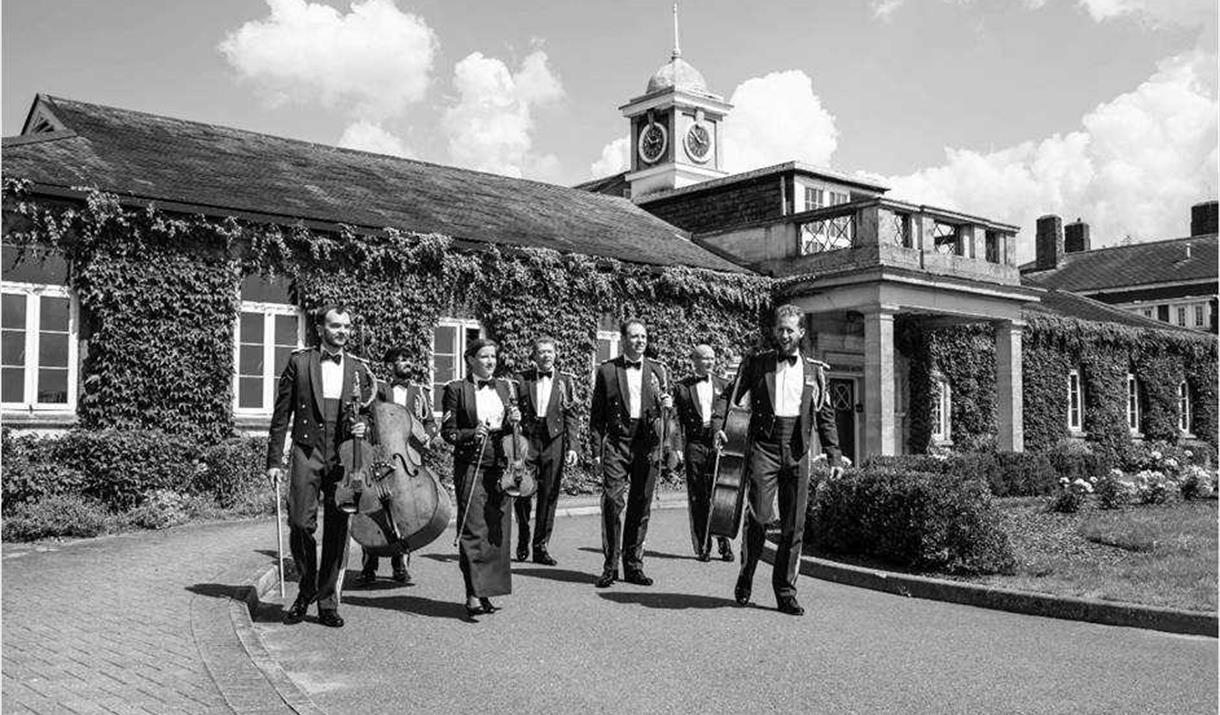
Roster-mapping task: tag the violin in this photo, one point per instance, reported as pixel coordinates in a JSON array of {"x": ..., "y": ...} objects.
[
  {"x": 520, "y": 476},
  {"x": 665, "y": 453}
]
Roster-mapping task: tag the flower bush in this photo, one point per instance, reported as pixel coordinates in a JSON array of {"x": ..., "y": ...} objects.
[
  {"x": 1152, "y": 486},
  {"x": 1113, "y": 490},
  {"x": 1197, "y": 483},
  {"x": 1072, "y": 494}
]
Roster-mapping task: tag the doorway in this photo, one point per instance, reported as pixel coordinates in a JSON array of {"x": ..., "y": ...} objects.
[{"x": 843, "y": 401}]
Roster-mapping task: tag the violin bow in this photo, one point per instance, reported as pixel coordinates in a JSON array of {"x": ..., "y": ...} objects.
[{"x": 470, "y": 497}]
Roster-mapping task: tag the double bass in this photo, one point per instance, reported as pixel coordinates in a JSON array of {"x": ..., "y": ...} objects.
[
  {"x": 398, "y": 504},
  {"x": 729, "y": 469}
]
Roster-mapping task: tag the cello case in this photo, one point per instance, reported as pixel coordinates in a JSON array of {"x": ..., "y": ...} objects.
[{"x": 403, "y": 507}]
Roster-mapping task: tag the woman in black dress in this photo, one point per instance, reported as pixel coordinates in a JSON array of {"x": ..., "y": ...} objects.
[{"x": 478, "y": 410}]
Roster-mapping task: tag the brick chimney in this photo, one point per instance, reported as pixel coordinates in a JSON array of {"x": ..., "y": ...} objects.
[
  {"x": 1048, "y": 244},
  {"x": 1203, "y": 218},
  {"x": 1076, "y": 237}
]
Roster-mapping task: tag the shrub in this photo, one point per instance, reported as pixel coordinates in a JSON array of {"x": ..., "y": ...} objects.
[
  {"x": 120, "y": 466},
  {"x": 1197, "y": 483},
  {"x": 1076, "y": 459},
  {"x": 161, "y": 509},
  {"x": 913, "y": 519},
  {"x": 1023, "y": 474},
  {"x": 231, "y": 470},
  {"x": 1072, "y": 495},
  {"x": 1112, "y": 490},
  {"x": 1153, "y": 487},
  {"x": 59, "y": 515}
]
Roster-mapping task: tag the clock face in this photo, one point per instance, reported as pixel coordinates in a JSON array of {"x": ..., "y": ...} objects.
[
  {"x": 653, "y": 141},
  {"x": 699, "y": 142}
]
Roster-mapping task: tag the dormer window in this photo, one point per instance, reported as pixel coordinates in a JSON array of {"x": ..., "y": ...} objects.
[{"x": 814, "y": 198}]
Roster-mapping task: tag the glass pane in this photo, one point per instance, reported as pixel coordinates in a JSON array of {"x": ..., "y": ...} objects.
[
  {"x": 12, "y": 384},
  {"x": 252, "y": 327},
  {"x": 443, "y": 338},
  {"x": 53, "y": 386},
  {"x": 251, "y": 360},
  {"x": 472, "y": 334},
  {"x": 603, "y": 351},
  {"x": 54, "y": 314},
  {"x": 445, "y": 372},
  {"x": 281, "y": 359},
  {"x": 250, "y": 392},
  {"x": 12, "y": 314},
  {"x": 13, "y": 349},
  {"x": 285, "y": 330},
  {"x": 53, "y": 350}
]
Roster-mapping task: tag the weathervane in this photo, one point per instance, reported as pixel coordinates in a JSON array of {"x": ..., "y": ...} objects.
[{"x": 677, "y": 50}]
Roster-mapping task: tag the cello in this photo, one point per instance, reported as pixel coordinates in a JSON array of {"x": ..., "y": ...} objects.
[
  {"x": 729, "y": 469},
  {"x": 400, "y": 504}
]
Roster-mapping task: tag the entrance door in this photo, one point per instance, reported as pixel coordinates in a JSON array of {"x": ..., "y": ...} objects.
[{"x": 843, "y": 400}]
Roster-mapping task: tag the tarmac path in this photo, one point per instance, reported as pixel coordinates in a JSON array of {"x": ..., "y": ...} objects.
[{"x": 683, "y": 645}]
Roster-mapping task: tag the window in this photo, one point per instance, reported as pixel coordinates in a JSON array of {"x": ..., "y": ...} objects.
[
  {"x": 449, "y": 340},
  {"x": 944, "y": 239},
  {"x": 838, "y": 197},
  {"x": 942, "y": 409},
  {"x": 1200, "y": 320},
  {"x": 1147, "y": 312},
  {"x": 1184, "y": 413},
  {"x": 1181, "y": 315},
  {"x": 267, "y": 333},
  {"x": 828, "y": 234},
  {"x": 1162, "y": 313},
  {"x": 607, "y": 346},
  {"x": 38, "y": 329},
  {"x": 814, "y": 198},
  {"x": 1134, "y": 418},
  {"x": 1075, "y": 402}
]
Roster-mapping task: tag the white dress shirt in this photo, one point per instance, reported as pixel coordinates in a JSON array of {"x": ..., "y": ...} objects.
[
  {"x": 542, "y": 394},
  {"x": 488, "y": 406},
  {"x": 332, "y": 378},
  {"x": 704, "y": 390},
  {"x": 789, "y": 384},
  {"x": 400, "y": 395},
  {"x": 635, "y": 380}
]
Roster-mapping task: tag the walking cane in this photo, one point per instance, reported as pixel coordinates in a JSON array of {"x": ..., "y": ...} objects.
[
  {"x": 469, "y": 497},
  {"x": 279, "y": 534}
]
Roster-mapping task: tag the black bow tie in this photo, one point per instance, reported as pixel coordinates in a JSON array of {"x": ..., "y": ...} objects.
[
  {"x": 790, "y": 359},
  {"x": 402, "y": 382},
  {"x": 705, "y": 378},
  {"x": 633, "y": 365},
  {"x": 333, "y": 357},
  {"x": 545, "y": 373},
  {"x": 480, "y": 384}
]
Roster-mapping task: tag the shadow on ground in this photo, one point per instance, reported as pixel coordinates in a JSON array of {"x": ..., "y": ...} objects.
[
  {"x": 669, "y": 601},
  {"x": 413, "y": 605}
]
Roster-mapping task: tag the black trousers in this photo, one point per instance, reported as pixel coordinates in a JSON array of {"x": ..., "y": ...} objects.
[
  {"x": 550, "y": 473},
  {"x": 628, "y": 482},
  {"x": 483, "y": 544},
  {"x": 369, "y": 562},
  {"x": 700, "y": 458},
  {"x": 312, "y": 479},
  {"x": 774, "y": 469}
]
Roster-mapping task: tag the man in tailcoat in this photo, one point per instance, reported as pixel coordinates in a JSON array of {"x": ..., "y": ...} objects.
[
  {"x": 417, "y": 398},
  {"x": 694, "y": 398},
  {"x": 629, "y": 393},
  {"x": 319, "y": 392},
  {"x": 548, "y": 412},
  {"x": 791, "y": 421}
]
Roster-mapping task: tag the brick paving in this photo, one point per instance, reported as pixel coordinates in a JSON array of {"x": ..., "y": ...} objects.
[{"x": 138, "y": 623}]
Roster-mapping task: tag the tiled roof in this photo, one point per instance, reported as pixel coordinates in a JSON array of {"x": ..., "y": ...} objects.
[
  {"x": 1131, "y": 266},
  {"x": 146, "y": 156},
  {"x": 1067, "y": 304}
]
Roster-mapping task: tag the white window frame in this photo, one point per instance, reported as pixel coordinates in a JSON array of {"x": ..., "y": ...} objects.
[
  {"x": 1076, "y": 393},
  {"x": 1181, "y": 312},
  {"x": 459, "y": 344},
  {"x": 815, "y": 192},
  {"x": 1135, "y": 411},
  {"x": 1185, "y": 409},
  {"x": 616, "y": 348},
  {"x": 942, "y": 415},
  {"x": 34, "y": 292},
  {"x": 270, "y": 375}
]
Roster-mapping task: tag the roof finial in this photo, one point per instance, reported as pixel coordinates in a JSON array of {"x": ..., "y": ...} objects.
[{"x": 677, "y": 50}]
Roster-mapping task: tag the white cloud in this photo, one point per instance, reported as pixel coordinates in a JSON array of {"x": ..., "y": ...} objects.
[
  {"x": 777, "y": 118},
  {"x": 372, "y": 61},
  {"x": 1134, "y": 168},
  {"x": 616, "y": 157},
  {"x": 367, "y": 136},
  {"x": 1187, "y": 13},
  {"x": 489, "y": 127},
  {"x": 884, "y": 9}
]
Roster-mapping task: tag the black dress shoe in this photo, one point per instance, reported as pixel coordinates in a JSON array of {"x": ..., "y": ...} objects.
[
  {"x": 487, "y": 606},
  {"x": 296, "y": 612},
  {"x": 401, "y": 575},
  {"x": 523, "y": 553},
  {"x": 366, "y": 578},
  {"x": 790, "y": 606},
  {"x": 638, "y": 578},
  {"x": 607, "y": 578},
  {"x": 330, "y": 618},
  {"x": 726, "y": 552},
  {"x": 703, "y": 556},
  {"x": 542, "y": 557},
  {"x": 741, "y": 592}
]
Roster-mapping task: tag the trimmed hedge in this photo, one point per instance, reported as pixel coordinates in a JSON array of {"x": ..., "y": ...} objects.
[
  {"x": 1006, "y": 474},
  {"x": 917, "y": 520}
]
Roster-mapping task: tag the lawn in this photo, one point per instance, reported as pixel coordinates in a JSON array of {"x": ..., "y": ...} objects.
[{"x": 1160, "y": 555}]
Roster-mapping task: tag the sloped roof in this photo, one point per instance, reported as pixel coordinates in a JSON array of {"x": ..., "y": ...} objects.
[
  {"x": 1067, "y": 304},
  {"x": 146, "y": 156},
  {"x": 1131, "y": 266}
]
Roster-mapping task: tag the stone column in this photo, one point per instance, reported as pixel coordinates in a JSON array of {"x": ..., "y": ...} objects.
[
  {"x": 1010, "y": 417},
  {"x": 879, "y": 431}
]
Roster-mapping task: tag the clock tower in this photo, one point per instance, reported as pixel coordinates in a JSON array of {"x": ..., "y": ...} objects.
[{"x": 676, "y": 127}]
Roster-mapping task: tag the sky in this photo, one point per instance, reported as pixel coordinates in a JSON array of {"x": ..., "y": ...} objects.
[{"x": 1104, "y": 110}]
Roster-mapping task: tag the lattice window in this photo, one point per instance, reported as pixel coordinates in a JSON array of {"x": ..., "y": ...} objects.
[
  {"x": 899, "y": 226},
  {"x": 828, "y": 234},
  {"x": 944, "y": 238},
  {"x": 841, "y": 397}
]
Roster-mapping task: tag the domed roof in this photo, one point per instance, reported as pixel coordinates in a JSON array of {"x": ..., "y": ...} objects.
[{"x": 677, "y": 74}]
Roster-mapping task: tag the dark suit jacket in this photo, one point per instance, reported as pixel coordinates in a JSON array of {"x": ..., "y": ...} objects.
[
  {"x": 686, "y": 402},
  {"x": 757, "y": 377},
  {"x": 298, "y": 399},
  {"x": 560, "y": 417},
  {"x": 419, "y": 402},
  {"x": 610, "y": 414},
  {"x": 461, "y": 416}
]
